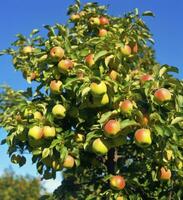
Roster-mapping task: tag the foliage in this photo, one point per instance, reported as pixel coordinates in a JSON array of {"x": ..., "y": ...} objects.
[{"x": 127, "y": 49}]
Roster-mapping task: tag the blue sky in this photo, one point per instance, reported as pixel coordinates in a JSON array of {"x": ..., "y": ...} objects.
[{"x": 20, "y": 16}]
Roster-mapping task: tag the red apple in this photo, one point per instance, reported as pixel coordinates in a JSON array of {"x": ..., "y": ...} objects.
[
  {"x": 98, "y": 88},
  {"x": 162, "y": 95},
  {"x": 145, "y": 77},
  {"x": 36, "y": 132},
  {"x": 117, "y": 182},
  {"x": 112, "y": 128},
  {"x": 49, "y": 132},
  {"x": 65, "y": 65},
  {"x": 165, "y": 174},
  {"x": 94, "y": 21},
  {"x": 59, "y": 111},
  {"x": 126, "y": 106},
  {"x": 143, "y": 137},
  {"x": 69, "y": 162},
  {"x": 100, "y": 146},
  {"x": 126, "y": 50},
  {"x": 135, "y": 48},
  {"x": 55, "y": 86},
  {"x": 56, "y": 53},
  {"x": 102, "y": 32},
  {"x": 89, "y": 60},
  {"x": 104, "y": 21},
  {"x": 113, "y": 75}
]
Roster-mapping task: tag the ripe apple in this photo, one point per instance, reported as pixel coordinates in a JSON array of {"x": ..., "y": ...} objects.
[
  {"x": 27, "y": 50},
  {"x": 146, "y": 77},
  {"x": 55, "y": 86},
  {"x": 49, "y": 132},
  {"x": 75, "y": 17},
  {"x": 69, "y": 162},
  {"x": 89, "y": 60},
  {"x": 65, "y": 65},
  {"x": 102, "y": 33},
  {"x": 126, "y": 50},
  {"x": 56, "y": 53},
  {"x": 59, "y": 111},
  {"x": 112, "y": 128},
  {"x": 98, "y": 88},
  {"x": 36, "y": 132},
  {"x": 104, "y": 21},
  {"x": 38, "y": 115},
  {"x": 100, "y": 146},
  {"x": 120, "y": 198},
  {"x": 143, "y": 137},
  {"x": 144, "y": 120},
  {"x": 117, "y": 182},
  {"x": 162, "y": 95},
  {"x": 94, "y": 21},
  {"x": 135, "y": 48},
  {"x": 165, "y": 174},
  {"x": 126, "y": 106},
  {"x": 79, "y": 137},
  {"x": 113, "y": 75}
]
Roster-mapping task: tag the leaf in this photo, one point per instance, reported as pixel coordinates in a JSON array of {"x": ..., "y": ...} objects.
[
  {"x": 165, "y": 68},
  {"x": 126, "y": 123},
  {"x": 63, "y": 153},
  {"x": 85, "y": 91},
  {"x": 148, "y": 13},
  {"x": 45, "y": 152},
  {"x": 159, "y": 130},
  {"x": 34, "y": 31},
  {"x": 100, "y": 54},
  {"x": 104, "y": 117},
  {"x": 176, "y": 120}
]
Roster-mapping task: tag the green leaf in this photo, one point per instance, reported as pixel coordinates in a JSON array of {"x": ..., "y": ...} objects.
[
  {"x": 148, "y": 13},
  {"x": 126, "y": 123},
  {"x": 100, "y": 54},
  {"x": 177, "y": 120},
  {"x": 63, "y": 153},
  {"x": 45, "y": 152}
]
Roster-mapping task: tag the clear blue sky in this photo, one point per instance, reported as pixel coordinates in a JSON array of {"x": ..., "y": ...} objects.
[{"x": 20, "y": 16}]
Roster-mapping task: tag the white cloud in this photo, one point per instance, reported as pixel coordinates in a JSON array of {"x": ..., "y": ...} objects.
[{"x": 51, "y": 184}]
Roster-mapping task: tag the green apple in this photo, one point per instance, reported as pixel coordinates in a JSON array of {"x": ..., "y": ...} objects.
[
  {"x": 27, "y": 50},
  {"x": 49, "y": 132},
  {"x": 36, "y": 132},
  {"x": 56, "y": 53},
  {"x": 38, "y": 115},
  {"x": 65, "y": 65},
  {"x": 126, "y": 50},
  {"x": 100, "y": 146},
  {"x": 117, "y": 182},
  {"x": 143, "y": 137},
  {"x": 75, "y": 17},
  {"x": 112, "y": 128},
  {"x": 55, "y": 86},
  {"x": 94, "y": 21},
  {"x": 98, "y": 88},
  {"x": 69, "y": 162},
  {"x": 59, "y": 111},
  {"x": 79, "y": 137}
]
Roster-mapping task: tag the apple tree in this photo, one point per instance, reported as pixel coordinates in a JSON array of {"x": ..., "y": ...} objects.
[{"x": 102, "y": 109}]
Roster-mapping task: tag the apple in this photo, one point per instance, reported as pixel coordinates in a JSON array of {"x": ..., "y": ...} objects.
[
  {"x": 144, "y": 120},
  {"x": 69, "y": 162},
  {"x": 112, "y": 128},
  {"x": 102, "y": 33},
  {"x": 143, "y": 137},
  {"x": 59, "y": 111},
  {"x": 100, "y": 146},
  {"x": 49, "y": 132},
  {"x": 165, "y": 174},
  {"x": 32, "y": 76},
  {"x": 65, "y": 65},
  {"x": 113, "y": 75},
  {"x": 27, "y": 50},
  {"x": 179, "y": 163},
  {"x": 126, "y": 106},
  {"x": 94, "y": 21},
  {"x": 135, "y": 48},
  {"x": 117, "y": 182},
  {"x": 126, "y": 50},
  {"x": 79, "y": 137},
  {"x": 105, "y": 99},
  {"x": 168, "y": 154},
  {"x": 98, "y": 88},
  {"x": 104, "y": 21},
  {"x": 75, "y": 17},
  {"x": 55, "y": 86},
  {"x": 120, "y": 198},
  {"x": 89, "y": 60},
  {"x": 38, "y": 115},
  {"x": 36, "y": 132},
  {"x": 56, "y": 53},
  {"x": 162, "y": 95},
  {"x": 146, "y": 77}
]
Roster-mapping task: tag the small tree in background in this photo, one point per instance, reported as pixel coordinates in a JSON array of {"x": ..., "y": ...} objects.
[{"x": 104, "y": 110}]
